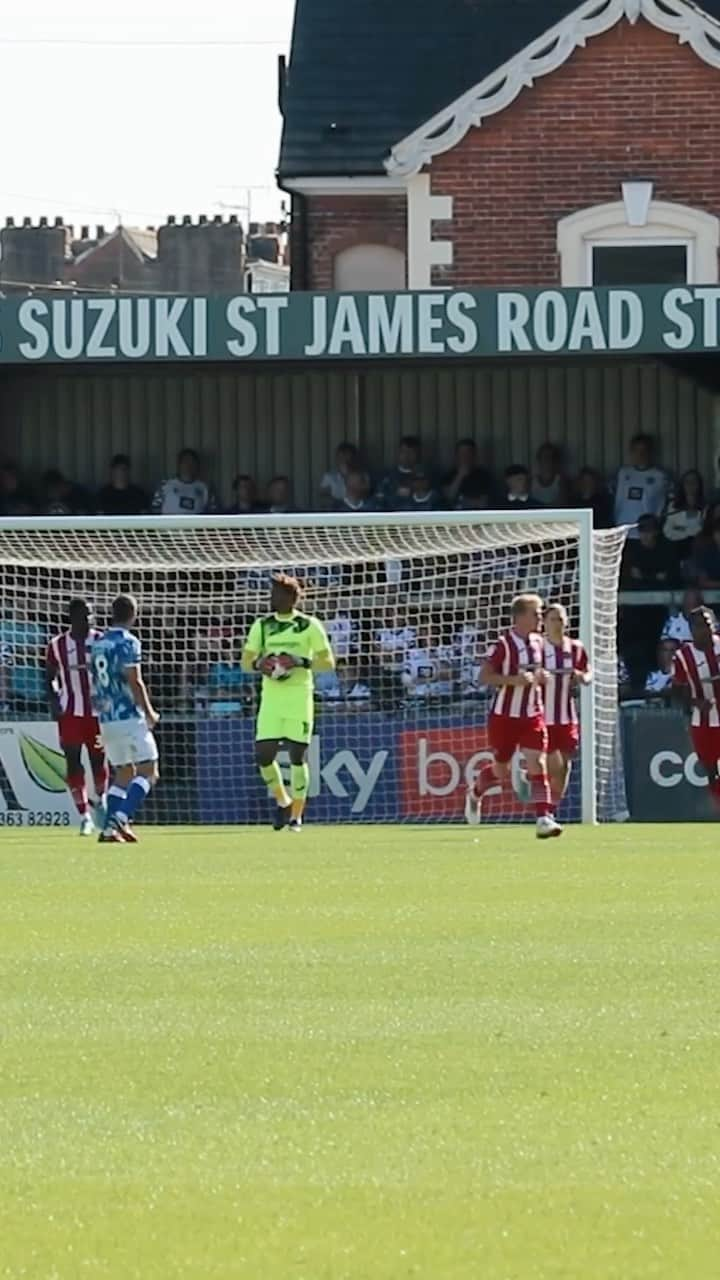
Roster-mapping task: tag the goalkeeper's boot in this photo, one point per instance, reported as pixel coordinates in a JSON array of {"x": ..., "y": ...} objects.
[
  {"x": 473, "y": 807},
  {"x": 110, "y": 836},
  {"x": 547, "y": 827},
  {"x": 87, "y": 826},
  {"x": 295, "y": 825},
  {"x": 282, "y": 817},
  {"x": 124, "y": 830}
]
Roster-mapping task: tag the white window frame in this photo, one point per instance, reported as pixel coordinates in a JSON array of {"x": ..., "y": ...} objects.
[
  {"x": 664, "y": 223},
  {"x": 655, "y": 242}
]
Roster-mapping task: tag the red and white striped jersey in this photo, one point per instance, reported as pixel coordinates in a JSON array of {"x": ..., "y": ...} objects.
[
  {"x": 560, "y": 660},
  {"x": 700, "y": 671},
  {"x": 67, "y": 660},
  {"x": 512, "y": 654}
]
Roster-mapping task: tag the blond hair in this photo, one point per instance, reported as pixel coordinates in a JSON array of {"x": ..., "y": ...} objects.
[
  {"x": 560, "y": 610},
  {"x": 523, "y": 604}
]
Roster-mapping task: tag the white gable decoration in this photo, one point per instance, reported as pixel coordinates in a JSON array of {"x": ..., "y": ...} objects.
[{"x": 497, "y": 91}]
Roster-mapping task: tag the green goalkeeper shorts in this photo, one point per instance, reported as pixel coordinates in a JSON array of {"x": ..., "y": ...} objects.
[{"x": 273, "y": 726}]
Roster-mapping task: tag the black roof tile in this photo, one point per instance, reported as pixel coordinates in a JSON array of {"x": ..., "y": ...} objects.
[{"x": 365, "y": 73}]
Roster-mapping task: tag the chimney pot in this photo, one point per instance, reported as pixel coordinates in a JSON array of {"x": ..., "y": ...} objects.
[
  {"x": 202, "y": 219},
  {"x": 59, "y": 221},
  {"x": 100, "y": 231},
  {"x": 27, "y": 222},
  {"x": 171, "y": 220},
  {"x": 9, "y": 222},
  {"x": 233, "y": 219}
]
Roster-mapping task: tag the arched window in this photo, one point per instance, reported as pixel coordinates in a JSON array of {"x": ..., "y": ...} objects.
[
  {"x": 638, "y": 240},
  {"x": 370, "y": 268}
]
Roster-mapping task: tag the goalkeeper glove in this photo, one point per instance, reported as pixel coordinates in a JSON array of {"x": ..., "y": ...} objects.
[{"x": 306, "y": 663}]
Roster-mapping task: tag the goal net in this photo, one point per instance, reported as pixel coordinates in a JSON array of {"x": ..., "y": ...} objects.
[{"x": 412, "y": 604}]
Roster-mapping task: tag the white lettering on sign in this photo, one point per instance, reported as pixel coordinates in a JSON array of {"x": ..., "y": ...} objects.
[
  {"x": 626, "y": 320},
  {"x": 513, "y": 317},
  {"x": 667, "y": 769},
  {"x": 429, "y": 323},
  {"x": 68, "y": 327},
  {"x": 681, "y": 337},
  {"x": 134, "y": 327},
  {"x": 104, "y": 310},
  {"x": 30, "y": 315},
  {"x": 272, "y": 307},
  {"x": 459, "y": 305},
  {"x": 550, "y": 321},
  {"x": 390, "y": 325},
  {"x": 246, "y": 344},
  {"x": 168, "y": 338},
  {"x": 318, "y": 345},
  {"x": 200, "y": 326},
  {"x": 587, "y": 326},
  {"x": 347, "y": 330},
  {"x": 710, "y": 298}
]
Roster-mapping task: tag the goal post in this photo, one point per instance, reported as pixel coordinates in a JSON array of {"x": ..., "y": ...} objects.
[{"x": 412, "y": 601}]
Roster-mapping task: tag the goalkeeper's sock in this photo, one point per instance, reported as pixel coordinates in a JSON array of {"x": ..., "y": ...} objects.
[
  {"x": 272, "y": 777},
  {"x": 540, "y": 792},
  {"x": 300, "y": 783},
  {"x": 78, "y": 791},
  {"x": 115, "y": 798},
  {"x": 137, "y": 793}
]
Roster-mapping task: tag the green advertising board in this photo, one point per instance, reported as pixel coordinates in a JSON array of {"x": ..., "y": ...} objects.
[{"x": 463, "y": 324}]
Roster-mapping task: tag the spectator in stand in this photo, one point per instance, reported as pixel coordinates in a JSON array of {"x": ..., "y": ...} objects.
[
  {"x": 427, "y": 669},
  {"x": 280, "y": 497},
  {"x": 396, "y": 485},
  {"x": 658, "y": 685},
  {"x": 15, "y": 500},
  {"x": 121, "y": 497},
  {"x": 333, "y": 483},
  {"x": 357, "y": 493},
  {"x": 649, "y": 563},
  {"x": 342, "y": 632},
  {"x": 245, "y": 501},
  {"x": 517, "y": 490},
  {"x": 549, "y": 484},
  {"x": 640, "y": 487},
  {"x": 707, "y": 561},
  {"x": 467, "y": 477},
  {"x": 677, "y": 627},
  {"x": 591, "y": 491},
  {"x": 623, "y": 679},
  {"x": 684, "y": 519},
  {"x": 60, "y": 497},
  {"x": 423, "y": 496},
  {"x": 185, "y": 494}
]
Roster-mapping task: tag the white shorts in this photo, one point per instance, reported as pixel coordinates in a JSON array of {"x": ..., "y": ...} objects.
[{"x": 129, "y": 742}]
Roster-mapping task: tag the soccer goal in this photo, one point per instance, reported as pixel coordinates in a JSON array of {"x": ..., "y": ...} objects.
[{"x": 412, "y": 604}]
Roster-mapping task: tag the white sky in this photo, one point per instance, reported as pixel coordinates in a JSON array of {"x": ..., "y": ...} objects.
[{"x": 91, "y": 128}]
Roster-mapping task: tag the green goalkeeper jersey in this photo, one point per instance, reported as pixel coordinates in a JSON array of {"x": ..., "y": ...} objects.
[{"x": 301, "y": 636}]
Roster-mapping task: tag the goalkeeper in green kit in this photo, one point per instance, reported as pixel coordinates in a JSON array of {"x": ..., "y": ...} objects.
[{"x": 285, "y": 648}]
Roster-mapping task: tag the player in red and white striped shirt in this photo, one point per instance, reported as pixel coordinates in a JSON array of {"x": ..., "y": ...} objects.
[
  {"x": 515, "y": 670},
  {"x": 68, "y": 685},
  {"x": 697, "y": 673},
  {"x": 566, "y": 666}
]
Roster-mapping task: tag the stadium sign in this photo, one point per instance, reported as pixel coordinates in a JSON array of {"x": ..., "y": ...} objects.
[
  {"x": 315, "y": 327},
  {"x": 665, "y": 780}
]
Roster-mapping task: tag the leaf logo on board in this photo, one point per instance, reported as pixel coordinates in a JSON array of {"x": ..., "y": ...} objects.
[{"x": 45, "y": 766}]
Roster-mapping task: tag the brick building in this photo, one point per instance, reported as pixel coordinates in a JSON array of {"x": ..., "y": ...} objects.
[
  {"x": 489, "y": 142},
  {"x": 208, "y": 255}
]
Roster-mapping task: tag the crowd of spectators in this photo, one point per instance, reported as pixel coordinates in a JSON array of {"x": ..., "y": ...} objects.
[{"x": 674, "y": 543}]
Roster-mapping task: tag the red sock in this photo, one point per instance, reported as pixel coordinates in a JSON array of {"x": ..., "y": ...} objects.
[
  {"x": 100, "y": 777},
  {"x": 540, "y": 791},
  {"x": 78, "y": 791}
]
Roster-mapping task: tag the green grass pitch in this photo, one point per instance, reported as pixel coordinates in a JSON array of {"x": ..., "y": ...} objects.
[{"x": 362, "y": 1054}]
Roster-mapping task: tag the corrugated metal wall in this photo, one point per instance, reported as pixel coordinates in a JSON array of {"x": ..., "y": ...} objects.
[{"x": 285, "y": 421}]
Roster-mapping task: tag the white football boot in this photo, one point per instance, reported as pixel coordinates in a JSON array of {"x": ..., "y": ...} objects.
[{"x": 547, "y": 827}]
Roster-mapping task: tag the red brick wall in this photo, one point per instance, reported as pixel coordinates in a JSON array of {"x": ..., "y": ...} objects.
[
  {"x": 633, "y": 104},
  {"x": 335, "y": 223}
]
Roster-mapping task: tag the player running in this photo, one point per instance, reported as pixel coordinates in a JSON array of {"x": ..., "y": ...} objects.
[
  {"x": 285, "y": 648},
  {"x": 68, "y": 686},
  {"x": 515, "y": 671},
  {"x": 127, "y": 719},
  {"x": 566, "y": 666},
  {"x": 696, "y": 675}
]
